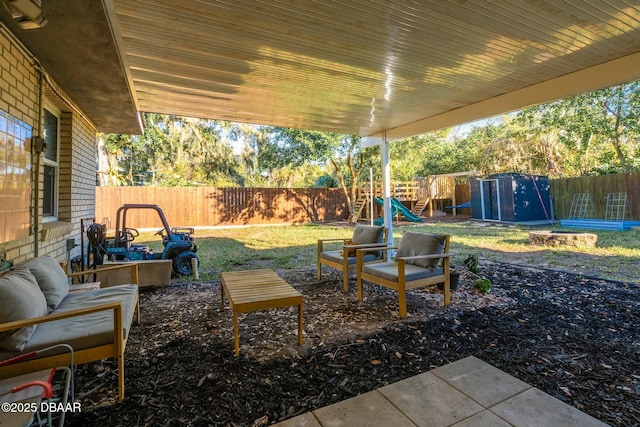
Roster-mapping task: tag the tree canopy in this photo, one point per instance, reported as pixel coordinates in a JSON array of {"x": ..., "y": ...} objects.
[{"x": 593, "y": 133}]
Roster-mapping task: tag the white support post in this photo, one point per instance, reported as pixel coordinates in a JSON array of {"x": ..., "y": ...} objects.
[
  {"x": 386, "y": 188},
  {"x": 371, "y": 196}
]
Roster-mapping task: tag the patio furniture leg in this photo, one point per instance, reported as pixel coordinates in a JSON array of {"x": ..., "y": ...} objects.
[
  {"x": 447, "y": 290},
  {"x": 402, "y": 302},
  {"x": 300, "y": 324},
  {"x": 359, "y": 263},
  {"x": 447, "y": 282},
  {"x": 319, "y": 272},
  {"x": 236, "y": 338},
  {"x": 121, "y": 378}
]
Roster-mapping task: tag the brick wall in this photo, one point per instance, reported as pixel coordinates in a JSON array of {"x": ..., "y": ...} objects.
[{"x": 19, "y": 96}]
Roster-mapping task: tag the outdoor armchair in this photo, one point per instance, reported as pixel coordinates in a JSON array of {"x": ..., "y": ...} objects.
[
  {"x": 344, "y": 259},
  {"x": 417, "y": 266}
]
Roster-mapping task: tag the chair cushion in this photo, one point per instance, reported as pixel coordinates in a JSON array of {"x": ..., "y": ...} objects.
[
  {"x": 389, "y": 271},
  {"x": 336, "y": 256},
  {"x": 367, "y": 234},
  {"x": 51, "y": 278},
  {"x": 364, "y": 234},
  {"x": 415, "y": 244},
  {"x": 21, "y": 299}
]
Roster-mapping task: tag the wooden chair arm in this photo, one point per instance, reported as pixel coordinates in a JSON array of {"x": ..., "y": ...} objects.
[
  {"x": 360, "y": 254},
  {"x": 10, "y": 326},
  {"x": 321, "y": 243},
  {"x": 132, "y": 266},
  {"x": 334, "y": 240},
  {"x": 375, "y": 249},
  {"x": 445, "y": 264},
  {"x": 432, "y": 256},
  {"x": 366, "y": 245}
]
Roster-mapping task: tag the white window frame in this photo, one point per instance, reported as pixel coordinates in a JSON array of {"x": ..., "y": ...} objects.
[{"x": 52, "y": 109}]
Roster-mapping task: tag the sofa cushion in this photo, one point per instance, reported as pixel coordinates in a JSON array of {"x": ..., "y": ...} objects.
[
  {"x": 415, "y": 244},
  {"x": 51, "y": 278},
  {"x": 21, "y": 298},
  {"x": 89, "y": 330}
]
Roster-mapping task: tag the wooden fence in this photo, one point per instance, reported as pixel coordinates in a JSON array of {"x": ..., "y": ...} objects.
[
  {"x": 563, "y": 190},
  {"x": 206, "y": 206}
]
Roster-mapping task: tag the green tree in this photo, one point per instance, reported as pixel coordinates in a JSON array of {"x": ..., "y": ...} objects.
[
  {"x": 348, "y": 169},
  {"x": 597, "y": 131},
  {"x": 177, "y": 151},
  {"x": 292, "y": 150}
]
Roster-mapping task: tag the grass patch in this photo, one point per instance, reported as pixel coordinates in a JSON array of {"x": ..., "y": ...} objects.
[{"x": 288, "y": 247}]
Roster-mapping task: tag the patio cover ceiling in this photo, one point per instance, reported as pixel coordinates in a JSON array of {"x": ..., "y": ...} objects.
[{"x": 362, "y": 67}]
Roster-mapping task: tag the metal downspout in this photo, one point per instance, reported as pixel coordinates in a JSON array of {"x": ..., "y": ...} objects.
[{"x": 35, "y": 156}]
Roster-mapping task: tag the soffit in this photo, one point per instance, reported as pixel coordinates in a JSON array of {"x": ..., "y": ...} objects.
[
  {"x": 76, "y": 49},
  {"x": 363, "y": 67}
]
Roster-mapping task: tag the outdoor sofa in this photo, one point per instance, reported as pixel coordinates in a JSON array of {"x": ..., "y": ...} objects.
[{"x": 38, "y": 309}]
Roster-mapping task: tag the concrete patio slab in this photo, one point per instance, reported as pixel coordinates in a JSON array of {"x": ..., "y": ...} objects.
[
  {"x": 362, "y": 411},
  {"x": 482, "y": 382},
  {"x": 304, "y": 420},
  {"x": 466, "y": 393},
  {"x": 483, "y": 419},
  {"x": 536, "y": 408},
  {"x": 429, "y": 401}
]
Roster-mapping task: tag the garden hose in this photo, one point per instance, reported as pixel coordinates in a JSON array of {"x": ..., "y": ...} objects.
[{"x": 97, "y": 244}]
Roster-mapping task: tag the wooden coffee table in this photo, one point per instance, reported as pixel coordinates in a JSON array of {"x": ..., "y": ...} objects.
[{"x": 253, "y": 290}]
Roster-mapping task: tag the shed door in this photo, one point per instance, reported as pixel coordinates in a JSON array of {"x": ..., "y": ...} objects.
[{"x": 490, "y": 200}]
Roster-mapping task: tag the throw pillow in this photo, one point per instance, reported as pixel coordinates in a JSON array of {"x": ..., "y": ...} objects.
[
  {"x": 21, "y": 299},
  {"x": 415, "y": 244},
  {"x": 51, "y": 278}
]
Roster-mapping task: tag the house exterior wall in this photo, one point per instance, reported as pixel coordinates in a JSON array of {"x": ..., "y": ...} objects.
[{"x": 21, "y": 89}]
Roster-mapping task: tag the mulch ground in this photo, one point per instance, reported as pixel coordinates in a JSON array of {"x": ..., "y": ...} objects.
[{"x": 572, "y": 337}]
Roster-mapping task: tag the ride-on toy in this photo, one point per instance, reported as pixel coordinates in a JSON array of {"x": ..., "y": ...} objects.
[{"x": 178, "y": 242}]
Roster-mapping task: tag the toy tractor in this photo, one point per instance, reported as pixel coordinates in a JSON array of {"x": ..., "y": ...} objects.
[{"x": 178, "y": 242}]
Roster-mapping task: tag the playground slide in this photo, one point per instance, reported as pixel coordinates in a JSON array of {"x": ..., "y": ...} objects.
[
  {"x": 380, "y": 221},
  {"x": 404, "y": 211},
  {"x": 396, "y": 206}
]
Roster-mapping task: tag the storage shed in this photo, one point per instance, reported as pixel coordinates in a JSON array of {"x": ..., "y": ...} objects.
[{"x": 511, "y": 197}]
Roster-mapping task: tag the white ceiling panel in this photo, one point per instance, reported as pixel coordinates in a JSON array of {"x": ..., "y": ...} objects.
[{"x": 369, "y": 67}]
